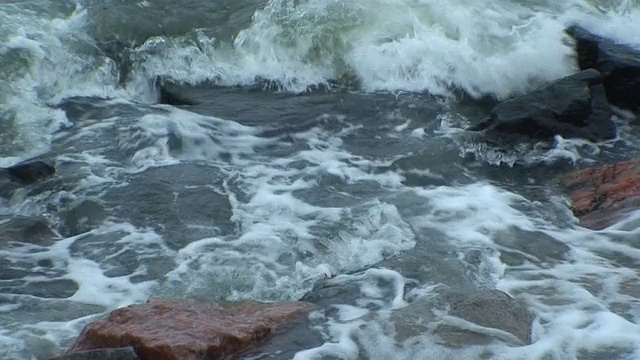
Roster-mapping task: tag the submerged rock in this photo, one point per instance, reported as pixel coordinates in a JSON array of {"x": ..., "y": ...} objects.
[
  {"x": 572, "y": 107},
  {"x": 26, "y": 229},
  {"x": 492, "y": 309},
  {"x": 125, "y": 353},
  {"x": 602, "y": 195},
  {"x": 619, "y": 65},
  {"x": 30, "y": 171},
  {"x": 463, "y": 318},
  {"x": 169, "y": 329},
  {"x": 83, "y": 216}
]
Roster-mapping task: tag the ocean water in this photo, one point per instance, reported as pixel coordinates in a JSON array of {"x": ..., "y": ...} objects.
[{"x": 326, "y": 143}]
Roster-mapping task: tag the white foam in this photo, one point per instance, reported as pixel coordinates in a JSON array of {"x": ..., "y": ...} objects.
[
  {"x": 584, "y": 304},
  {"x": 71, "y": 259},
  {"x": 484, "y": 47},
  {"x": 55, "y": 68},
  {"x": 287, "y": 242}
]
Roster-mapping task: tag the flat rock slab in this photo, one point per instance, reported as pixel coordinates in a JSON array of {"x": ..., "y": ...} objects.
[
  {"x": 601, "y": 195},
  {"x": 126, "y": 353},
  {"x": 178, "y": 329}
]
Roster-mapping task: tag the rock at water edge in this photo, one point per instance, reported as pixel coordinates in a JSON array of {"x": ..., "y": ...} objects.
[
  {"x": 178, "y": 329},
  {"x": 619, "y": 65},
  {"x": 573, "y": 107},
  {"x": 126, "y": 353},
  {"x": 601, "y": 195}
]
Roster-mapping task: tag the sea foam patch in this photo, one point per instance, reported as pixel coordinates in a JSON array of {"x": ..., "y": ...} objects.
[
  {"x": 75, "y": 279},
  {"x": 584, "y": 301}
]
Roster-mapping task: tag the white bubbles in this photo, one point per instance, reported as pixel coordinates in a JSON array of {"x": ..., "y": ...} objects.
[{"x": 482, "y": 47}]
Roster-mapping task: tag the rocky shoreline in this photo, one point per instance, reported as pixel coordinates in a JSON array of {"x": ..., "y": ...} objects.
[{"x": 578, "y": 106}]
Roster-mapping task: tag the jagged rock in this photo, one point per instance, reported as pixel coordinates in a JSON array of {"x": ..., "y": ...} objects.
[
  {"x": 125, "y": 353},
  {"x": 171, "y": 329},
  {"x": 30, "y": 171},
  {"x": 619, "y": 65},
  {"x": 573, "y": 107},
  {"x": 602, "y": 195}
]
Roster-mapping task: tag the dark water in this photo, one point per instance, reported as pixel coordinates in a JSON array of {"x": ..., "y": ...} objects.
[{"x": 321, "y": 154}]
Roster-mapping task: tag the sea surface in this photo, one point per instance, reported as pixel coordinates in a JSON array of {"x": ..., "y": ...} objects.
[{"x": 322, "y": 139}]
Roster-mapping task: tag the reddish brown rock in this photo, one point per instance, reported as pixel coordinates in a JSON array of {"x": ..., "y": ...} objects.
[
  {"x": 169, "y": 329},
  {"x": 600, "y": 195},
  {"x": 126, "y": 353}
]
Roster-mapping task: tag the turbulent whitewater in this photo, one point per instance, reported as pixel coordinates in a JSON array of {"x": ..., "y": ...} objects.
[{"x": 325, "y": 141}]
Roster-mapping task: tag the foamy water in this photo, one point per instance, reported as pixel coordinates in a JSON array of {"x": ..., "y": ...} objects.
[{"x": 176, "y": 203}]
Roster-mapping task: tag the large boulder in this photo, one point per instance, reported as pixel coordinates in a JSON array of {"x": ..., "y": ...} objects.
[
  {"x": 170, "y": 329},
  {"x": 573, "y": 107},
  {"x": 600, "y": 196},
  {"x": 619, "y": 65}
]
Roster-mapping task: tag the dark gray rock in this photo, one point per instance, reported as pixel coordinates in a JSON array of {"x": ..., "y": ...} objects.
[
  {"x": 171, "y": 94},
  {"x": 50, "y": 289},
  {"x": 619, "y": 65},
  {"x": 83, "y": 216},
  {"x": 30, "y": 171},
  {"x": 125, "y": 353},
  {"x": 573, "y": 107}
]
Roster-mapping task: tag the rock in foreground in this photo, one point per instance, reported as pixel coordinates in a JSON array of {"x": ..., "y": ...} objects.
[
  {"x": 572, "y": 107},
  {"x": 600, "y": 196},
  {"x": 126, "y": 353},
  {"x": 619, "y": 65},
  {"x": 169, "y": 329}
]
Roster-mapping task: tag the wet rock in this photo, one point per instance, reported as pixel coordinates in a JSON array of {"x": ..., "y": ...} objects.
[
  {"x": 172, "y": 94},
  {"x": 572, "y": 107},
  {"x": 463, "y": 318},
  {"x": 83, "y": 216},
  {"x": 293, "y": 337},
  {"x": 492, "y": 309},
  {"x": 125, "y": 353},
  {"x": 619, "y": 65},
  {"x": 30, "y": 171},
  {"x": 51, "y": 289},
  {"x": 169, "y": 329},
  {"x": 602, "y": 195},
  {"x": 26, "y": 229}
]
